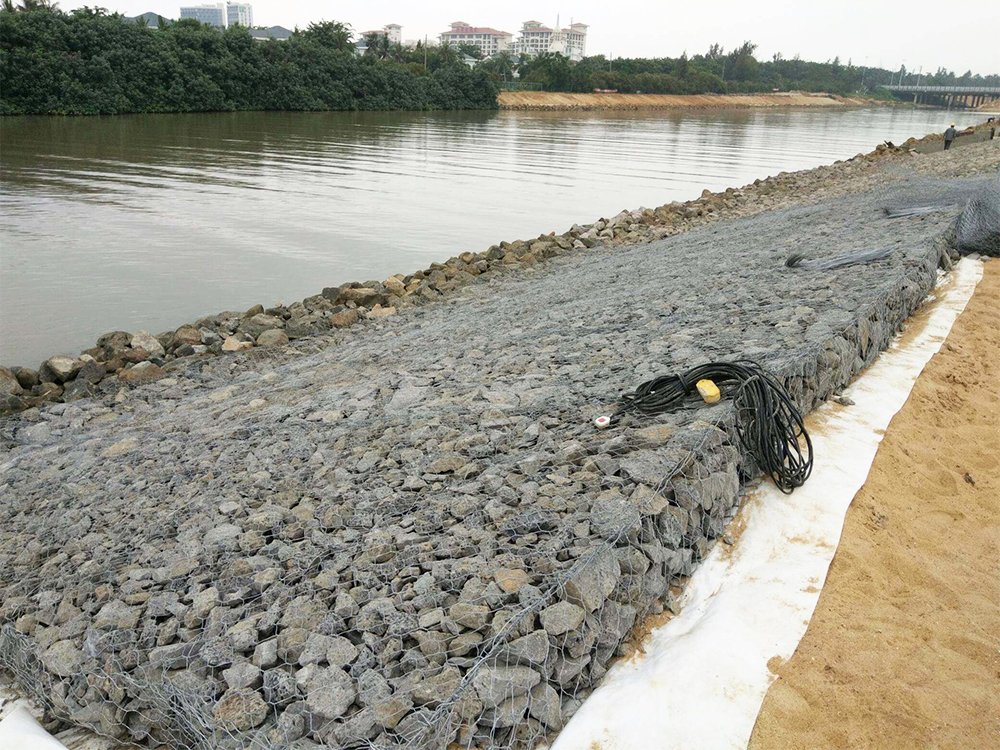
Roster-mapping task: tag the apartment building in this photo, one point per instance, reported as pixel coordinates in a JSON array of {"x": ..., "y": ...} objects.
[
  {"x": 392, "y": 31},
  {"x": 220, "y": 15},
  {"x": 212, "y": 14},
  {"x": 239, "y": 13},
  {"x": 536, "y": 38},
  {"x": 489, "y": 41}
]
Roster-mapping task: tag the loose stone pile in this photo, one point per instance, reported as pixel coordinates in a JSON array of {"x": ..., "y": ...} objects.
[
  {"x": 411, "y": 535},
  {"x": 121, "y": 359}
]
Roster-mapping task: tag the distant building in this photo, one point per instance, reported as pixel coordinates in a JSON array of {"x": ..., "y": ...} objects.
[
  {"x": 393, "y": 32},
  {"x": 239, "y": 14},
  {"x": 489, "y": 41},
  {"x": 220, "y": 15},
  {"x": 278, "y": 33},
  {"x": 213, "y": 15},
  {"x": 536, "y": 38},
  {"x": 150, "y": 19}
]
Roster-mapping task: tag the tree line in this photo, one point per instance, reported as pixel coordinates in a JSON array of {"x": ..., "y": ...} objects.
[
  {"x": 91, "y": 62},
  {"x": 715, "y": 71}
]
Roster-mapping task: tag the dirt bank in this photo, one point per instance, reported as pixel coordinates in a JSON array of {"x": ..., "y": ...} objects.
[
  {"x": 544, "y": 100},
  {"x": 902, "y": 650}
]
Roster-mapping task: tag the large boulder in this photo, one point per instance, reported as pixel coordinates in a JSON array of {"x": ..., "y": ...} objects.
[
  {"x": 142, "y": 373},
  {"x": 59, "y": 369},
  {"x": 148, "y": 343},
  {"x": 9, "y": 385}
]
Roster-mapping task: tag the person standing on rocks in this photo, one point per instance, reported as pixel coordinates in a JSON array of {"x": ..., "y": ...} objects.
[{"x": 949, "y": 136}]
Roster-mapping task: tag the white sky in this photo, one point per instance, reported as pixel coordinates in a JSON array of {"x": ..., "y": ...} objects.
[{"x": 958, "y": 36}]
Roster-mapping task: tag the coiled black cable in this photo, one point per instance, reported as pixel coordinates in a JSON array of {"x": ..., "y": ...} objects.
[{"x": 768, "y": 423}]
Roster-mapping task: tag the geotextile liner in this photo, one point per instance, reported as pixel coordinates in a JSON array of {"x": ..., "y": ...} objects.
[{"x": 415, "y": 537}]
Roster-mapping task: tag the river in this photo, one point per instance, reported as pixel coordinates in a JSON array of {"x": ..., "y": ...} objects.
[{"x": 150, "y": 221}]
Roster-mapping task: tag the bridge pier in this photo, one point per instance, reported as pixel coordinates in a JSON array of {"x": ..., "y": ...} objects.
[{"x": 949, "y": 97}]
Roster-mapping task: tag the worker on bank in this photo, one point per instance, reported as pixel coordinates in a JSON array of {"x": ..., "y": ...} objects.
[{"x": 949, "y": 136}]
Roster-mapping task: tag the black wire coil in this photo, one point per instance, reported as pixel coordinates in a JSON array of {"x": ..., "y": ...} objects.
[{"x": 768, "y": 423}]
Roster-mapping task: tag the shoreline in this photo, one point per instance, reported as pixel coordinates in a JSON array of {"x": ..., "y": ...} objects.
[
  {"x": 126, "y": 359},
  {"x": 554, "y": 101}
]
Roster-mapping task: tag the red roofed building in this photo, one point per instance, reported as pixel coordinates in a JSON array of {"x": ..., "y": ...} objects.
[{"x": 489, "y": 41}]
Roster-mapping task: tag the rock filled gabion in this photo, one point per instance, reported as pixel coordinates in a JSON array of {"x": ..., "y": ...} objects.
[
  {"x": 978, "y": 227},
  {"x": 412, "y": 536}
]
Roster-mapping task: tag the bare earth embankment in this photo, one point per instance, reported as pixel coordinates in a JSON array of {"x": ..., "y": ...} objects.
[
  {"x": 902, "y": 650},
  {"x": 545, "y": 100}
]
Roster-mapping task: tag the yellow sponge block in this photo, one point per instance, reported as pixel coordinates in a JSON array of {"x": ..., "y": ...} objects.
[{"x": 709, "y": 391}]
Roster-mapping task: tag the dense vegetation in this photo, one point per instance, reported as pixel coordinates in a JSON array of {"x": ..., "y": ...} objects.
[
  {"x": 90, "y": 62},
  {"x": 716, "y": 71}
]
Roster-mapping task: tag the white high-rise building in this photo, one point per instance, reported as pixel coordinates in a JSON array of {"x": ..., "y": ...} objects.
[
  {"x": 536, "y": 38},
  {"x": 489, "y": 41},
  {"x": 212, "y": 14},
  {"x": 391, "y": 31},
  {"x": 220, "y": 15},
  {"x": 239, "y": 13}
]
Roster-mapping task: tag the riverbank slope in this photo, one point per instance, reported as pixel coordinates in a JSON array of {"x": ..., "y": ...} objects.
[
  {"x": 545, "y": 100},
  {"x": 408, "y": 531}
]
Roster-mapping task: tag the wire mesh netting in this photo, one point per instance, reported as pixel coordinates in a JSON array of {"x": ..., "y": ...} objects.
[
  {"x": 978, "y": 227},
  {"x": 412, "y": 536}
]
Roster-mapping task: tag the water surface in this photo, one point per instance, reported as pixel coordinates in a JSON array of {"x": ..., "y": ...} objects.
[{"x": 150, "y": 221}]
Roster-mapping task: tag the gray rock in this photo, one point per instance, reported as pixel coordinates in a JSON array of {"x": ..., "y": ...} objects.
[
  {"x": 390, "y": 711},
  {"x": 60, "y": 368},
  {"x": 472, "y": 616},
  {"x": 530, "y": 649},
  {"x": 372, "y": 688},
  {"x": 117, "y": 615},
  {"x": 9, "y": 383},
  {"x": 240, "y": 710},
  {"x": 494, "y": 685},
  {"x": 78, "y": 389},
  {"x": 446, "y": 464},
  {"x": 561, "y": 617},
  {"x": 257, "y": 324},
  {"x": 26, "y": 377},
  {"x": 272, "y": 337},
  {"x": 546, "y": 706},
  {"x": 594, "y": 582},
  {"x": 280, "y": 688},
  {"x": 432, "y": 690},
  {"x": 148, "y": 343},
  {"x": 242, "y": 675},
  {"x": 613, "y": 517},
  {"x": 142, "y": 373},
  {"x": 63, "y": 658},
  {"x": 330, "y": 692}
]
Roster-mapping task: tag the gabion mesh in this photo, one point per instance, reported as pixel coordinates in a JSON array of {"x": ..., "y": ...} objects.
[{"x": 412, "y": 536}]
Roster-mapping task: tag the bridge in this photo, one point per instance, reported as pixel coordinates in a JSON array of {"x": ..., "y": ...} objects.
[{"x": 949, "y": 96}]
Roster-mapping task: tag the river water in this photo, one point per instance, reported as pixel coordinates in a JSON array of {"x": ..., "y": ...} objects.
[{"x": 150, "y": 221}]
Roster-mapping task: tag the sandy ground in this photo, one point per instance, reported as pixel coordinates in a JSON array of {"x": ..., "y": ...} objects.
[
  {"x": 551, "y": 100},
  {"x": 904, "y": 648}
]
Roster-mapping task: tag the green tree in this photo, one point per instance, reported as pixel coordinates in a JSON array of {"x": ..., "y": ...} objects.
[{"x": 332, "y": 34}]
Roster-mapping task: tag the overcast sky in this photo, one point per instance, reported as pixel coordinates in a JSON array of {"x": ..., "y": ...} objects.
[{"x": 956, "y": 35}]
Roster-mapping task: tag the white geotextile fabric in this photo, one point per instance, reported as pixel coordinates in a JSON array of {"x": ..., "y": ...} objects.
[
  {"x": 20, "y": 731},
  {"x": 704, "y": 675}
]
